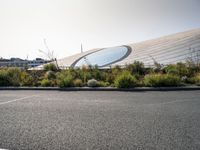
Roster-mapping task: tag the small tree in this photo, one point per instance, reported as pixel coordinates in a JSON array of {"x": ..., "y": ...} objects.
[{"x": 49, "y": 54}]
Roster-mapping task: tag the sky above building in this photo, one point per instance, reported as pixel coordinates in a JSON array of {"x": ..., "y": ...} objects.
[{"x": 65, "y": 24}]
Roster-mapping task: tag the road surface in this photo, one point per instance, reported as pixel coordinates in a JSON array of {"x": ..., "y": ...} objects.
[{"x": 100, "y": 120}]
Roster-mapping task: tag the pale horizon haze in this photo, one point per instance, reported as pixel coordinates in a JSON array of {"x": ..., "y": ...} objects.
[{"x": 65, "y": 24}]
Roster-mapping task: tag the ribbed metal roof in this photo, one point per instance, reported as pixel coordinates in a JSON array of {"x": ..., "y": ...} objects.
[{"x": 170, "y": 49}]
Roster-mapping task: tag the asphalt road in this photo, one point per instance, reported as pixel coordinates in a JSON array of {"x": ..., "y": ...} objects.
[{"x": 99, "y": 120}]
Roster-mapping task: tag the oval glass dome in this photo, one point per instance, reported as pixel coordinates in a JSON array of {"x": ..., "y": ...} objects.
[{"x": 104, "y": 57}]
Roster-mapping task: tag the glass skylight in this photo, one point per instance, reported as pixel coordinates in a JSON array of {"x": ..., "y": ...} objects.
[{"x": 103, "y": 57}]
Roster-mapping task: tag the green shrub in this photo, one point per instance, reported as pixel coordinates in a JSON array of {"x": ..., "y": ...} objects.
[
  {"x": 37, "y": 76},
  {"x": 14, "y": 75},
  {"x": 195, "y": 79},
  {"x": 45, "y": 83},
  {"x": 26, "y": 79},
  {"x": 92, "y": 83},
  {"x": 50, "y": 67},
  {"x": 4, "y": 79},
  {"x": 179, "y": 69},
  {"x": 193, "y": 67},
  {"x": 125, "y": 80},
  {"x": 136, "y": 68},
  {"x": 157, "y": 66},
  {"x": 98, "y": 74},
  {"x": 110, "y": 78},
  {"x": 77, "y": 83},
  {"x": 183, "y": 69},
  {"x": 103, "y": 84},
  {"x": 159, "y": 80},
  {"x": 116, "y": 70},
  {"x": 171, "y": 69},
  {"x": 65, "y": 80},
  {"x": 50, "y": 75}
]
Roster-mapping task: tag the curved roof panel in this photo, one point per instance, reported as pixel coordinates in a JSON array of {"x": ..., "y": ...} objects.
[{"x": 170, "y": 49}]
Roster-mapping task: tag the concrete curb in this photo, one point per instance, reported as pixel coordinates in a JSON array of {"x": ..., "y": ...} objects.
[{"x": 185, "y": 88}]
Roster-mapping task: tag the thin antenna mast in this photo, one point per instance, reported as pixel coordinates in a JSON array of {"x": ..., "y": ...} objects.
[{"x": 81, "y": 48}]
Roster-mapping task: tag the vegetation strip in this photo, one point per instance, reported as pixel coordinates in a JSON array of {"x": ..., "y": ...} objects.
[{"x": 129, "y": 76}]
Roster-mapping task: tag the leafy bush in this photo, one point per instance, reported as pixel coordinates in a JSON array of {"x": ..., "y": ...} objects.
[
  {"x": 98, "y": 74},
  {"x": 193, "y": 67},
  {"x": 50, "y": 67},
  {"x": 50, "y": 75},
  {"x": 171, "y": 69},
  {"x": 77, "y": 83},
  {"x": 125, "y": 80},
  {"x": 45, "y": 83},
  {"x": 195, "y": 79},
  {"x": 159, "y": 80},
  {"x": 65, "y": 78},
  {"x": 103, "y": 84},
  {"x": 4, "y": 80},
  {"x": 136, "y": 68},
  {"x": 157, "y": 67},
  {"x": 183, "y": 70},
  {"x": 26, "y": 79},
  {"x": 14, "y": 76},
  {"x": 65, "y": 81},
  {"x": 179, "y": 69},
  {"x": 37, "y": 76},
  {"x": 92, "y": 83}
]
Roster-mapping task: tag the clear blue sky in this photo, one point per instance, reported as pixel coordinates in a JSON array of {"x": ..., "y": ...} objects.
[{"x": 95, "y": 23}]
